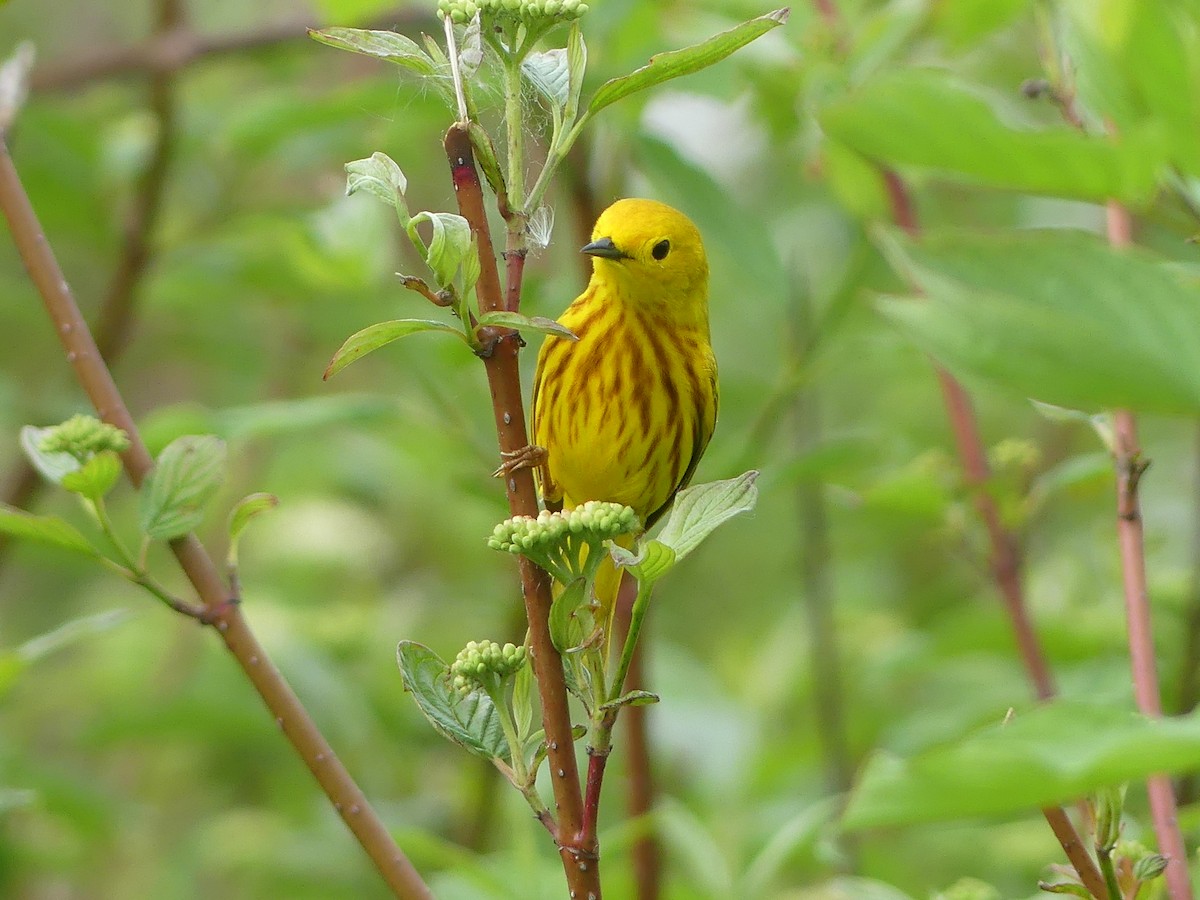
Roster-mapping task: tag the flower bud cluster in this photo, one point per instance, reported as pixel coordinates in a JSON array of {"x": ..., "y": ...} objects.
[
  {"x": 530, "y": 12},
  {"x": 83, "y": 437},
  {"x": 556, "y": 540},
  {"x": 479, "y": 660}
]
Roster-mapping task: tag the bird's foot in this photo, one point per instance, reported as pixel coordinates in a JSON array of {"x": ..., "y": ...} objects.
[{"x": 528, "y": 457}]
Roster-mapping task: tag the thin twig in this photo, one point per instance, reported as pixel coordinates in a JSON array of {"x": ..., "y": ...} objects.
[
  {"x": 222, "y": 610},
  {"x": 115, "y": 318},
  {"x": 580, "y": 860},
  {"x": 1130, "y": 465},
  {"x": 182, "y": 47}
]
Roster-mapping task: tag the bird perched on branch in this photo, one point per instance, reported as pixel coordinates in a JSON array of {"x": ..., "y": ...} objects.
[{"x": 624, "y": 413}]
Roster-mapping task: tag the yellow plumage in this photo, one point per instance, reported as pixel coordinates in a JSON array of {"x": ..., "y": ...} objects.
[{"x": 625, "y": 412}]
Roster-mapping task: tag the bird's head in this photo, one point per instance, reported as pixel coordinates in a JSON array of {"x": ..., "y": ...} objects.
[{"x": 651, "y": 254}]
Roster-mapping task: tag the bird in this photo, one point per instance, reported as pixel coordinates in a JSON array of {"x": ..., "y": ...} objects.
[{"x": 625, "y": 412}]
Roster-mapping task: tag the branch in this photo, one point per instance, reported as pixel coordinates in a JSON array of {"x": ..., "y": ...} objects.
[
  {"x": 580, "y": 860},
  {"x": 181, "y": 47},
  {"x": 1005, "y": 563},
  {"x": 222, "y": 610},
  {"x": 1130, "y": 465},
  {"x": 115, "y": 318}
]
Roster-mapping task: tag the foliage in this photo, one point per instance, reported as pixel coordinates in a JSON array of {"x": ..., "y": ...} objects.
[{"x": 134, "y": 762}]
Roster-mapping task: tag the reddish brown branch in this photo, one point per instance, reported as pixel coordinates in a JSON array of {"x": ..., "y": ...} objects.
[
  {"x": 1130, "y": 536},
  {"x": 1005, "y": 562},
  {"x": 222, "y": 610},
  {"x": 580, "y": 859}
]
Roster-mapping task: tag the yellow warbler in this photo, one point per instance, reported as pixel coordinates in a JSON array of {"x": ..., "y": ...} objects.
[{"x": 625, "y": 412}]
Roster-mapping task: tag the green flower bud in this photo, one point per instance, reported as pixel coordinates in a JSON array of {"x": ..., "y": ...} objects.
[
  {"x": 83, "y": 437},
  {"x": 481, "y": 664},
  {"x": 1149, "y": 867}
]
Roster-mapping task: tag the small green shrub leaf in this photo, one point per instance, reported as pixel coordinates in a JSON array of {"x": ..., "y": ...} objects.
[
  {"x": 700, "y": 509},
  {"x": 96, "y": 477},
  {"x": 675, "y": 63},
  {"x": 375, "y": 336},
  {"x": 521, "y": 322},
  {"x": 184, "y": 478},
  {"x": 1048, "y": 756},
  {"x": 44, "y": 530},
  {"x": 470, "y": 721}
]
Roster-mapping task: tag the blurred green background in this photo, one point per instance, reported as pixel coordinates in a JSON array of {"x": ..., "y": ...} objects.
[{"x": 134, "y": 759}]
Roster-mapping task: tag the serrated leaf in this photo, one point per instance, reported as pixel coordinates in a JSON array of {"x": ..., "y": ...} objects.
[
  {"x": 675, "y": 63},
  {"x": 385, "y": 45},
  {"x": 375, "y": 336},
  {"x": 632, "y": 698},
  {"x": 471, "y": 721},
  {"x": 96, "y": 477},
  {"x": 700, "y": 509},
  {"x": 53, "y": 466},
  {"x": 1047, "y": 314},
  {"x": 549, "y": 73},
  {"x": 1048, "y": 756},
  {"x": 521, "y": 322},
  {"x": 449, "y": 245},
  {"x": 379, "y": 176},
  {"x": 566, "y": 631},
  {"x": 241, "y": 514},
  {"x": 44, "y": 530},
  {"x": 930, "y": 119},
  {"x": 184, "y": 478}
]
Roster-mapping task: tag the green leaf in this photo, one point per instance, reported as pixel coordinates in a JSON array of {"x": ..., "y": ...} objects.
[
  {"x": 549, "y": 73},
  {"x": 1131, "y": 65},
  {"x": 375, "y": 336},
  {"x": 239, "y": 517},
  {"x": 485, "y": 155},
  {"x": 386, "y": 45},
  {"x": 653, "y": 560},
  {"x": 379, "y": 176},
  {"x": 521, "y": 322},
  {"x": 1057, "y": 315},
  {"x": 184, "y": 478},
  {"x": 44, "y": 530},
  {"x": 1048, "y": 756},
  {"x": 522, "y": 699},
  {"x": 675, "y": 63},
  {"x": 449, "y": 246},
  {"x": 471, "y": 721},
  {"x": 13, "y": 663},
  {"x": 576, "y": 69},
  {"x": 632, "y": 698},
  {"x": 53, "y": 466},
  {"x": 566, "y": 629},
  {"x": 96, "y": 477},
  {"x": 930, "y": 119},
  {"x": 699, "y": 509}
]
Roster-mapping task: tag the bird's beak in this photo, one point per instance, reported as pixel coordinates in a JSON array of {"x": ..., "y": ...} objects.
[{"x": 603, "y": 247}]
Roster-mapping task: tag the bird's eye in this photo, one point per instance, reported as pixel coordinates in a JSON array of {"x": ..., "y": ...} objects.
[{"x": 661, "y": 249}]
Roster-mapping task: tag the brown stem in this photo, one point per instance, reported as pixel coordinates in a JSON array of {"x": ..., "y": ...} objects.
[
  {"x": 221, "y": 610},
  {"x": 1130, "y": 466},
  {"x": 580, "y": 860},
  {"x": 1076, "y": 852},
  {"x": 181, "y": 47},
  {"x": 646, "y": 851}
]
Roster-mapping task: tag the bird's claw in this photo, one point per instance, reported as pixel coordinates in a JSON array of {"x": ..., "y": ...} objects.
[{"x": 528, "y": 457}]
